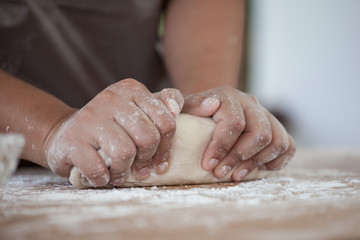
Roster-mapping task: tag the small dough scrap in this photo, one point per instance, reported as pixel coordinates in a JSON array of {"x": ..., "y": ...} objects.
[
  {"x": 192, "y": 136},
  {"x": 11, "y": 146}
]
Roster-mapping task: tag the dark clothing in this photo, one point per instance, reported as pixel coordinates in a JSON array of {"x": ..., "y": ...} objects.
[{"x": 75, "y": 48}]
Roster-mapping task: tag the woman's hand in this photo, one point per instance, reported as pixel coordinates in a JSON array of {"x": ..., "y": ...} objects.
[
  {"x": 133, "y": 127},
  {"x": 246, "y": 134}
]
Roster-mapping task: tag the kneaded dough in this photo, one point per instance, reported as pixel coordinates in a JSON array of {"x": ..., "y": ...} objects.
[{"x": 191, "y": 138}]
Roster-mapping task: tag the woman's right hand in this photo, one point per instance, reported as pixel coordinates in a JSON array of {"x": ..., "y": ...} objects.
[{"x": 133, "y": 127}]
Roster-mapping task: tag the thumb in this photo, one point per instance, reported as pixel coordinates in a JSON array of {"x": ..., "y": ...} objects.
[
  {"x": 201, "y": 106},
  {"x": 172, "y": 98}
]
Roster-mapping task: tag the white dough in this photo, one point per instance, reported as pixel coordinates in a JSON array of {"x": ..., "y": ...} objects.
[
  {"x": 191, "y": 138},
  {"x": 11, "y": 146}
]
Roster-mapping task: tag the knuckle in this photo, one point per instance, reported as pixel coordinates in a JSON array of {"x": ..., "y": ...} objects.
[
  {"x": 131, "y": 83},
  {"x": 263, "y": 138},
  {"x": 234, "y": 157},
  {"x": 237, "y": 124},
  {"x": 252, "y": 98},
  {"x": 256, "y": 160},
  {"x": 221, "y": 148},
  {"x": 226, "y": 88},
  {"x": 106, "y": 96},
  {"x": 149, "y": 141},
  {"x": 281, "y": 145},
  {"x": 126, "y": 153}
]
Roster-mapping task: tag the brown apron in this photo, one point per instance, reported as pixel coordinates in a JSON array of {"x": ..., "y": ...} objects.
[{"x": 75, "y": 48}]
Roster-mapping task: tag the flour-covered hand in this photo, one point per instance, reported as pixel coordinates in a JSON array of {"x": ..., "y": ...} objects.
[
  {"x": 133, "y": 127},
  {"x": 246, "y": 134}
]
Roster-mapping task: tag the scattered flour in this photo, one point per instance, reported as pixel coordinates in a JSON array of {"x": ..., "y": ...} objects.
[
  {"x": 51, "y": 202},
  {"x": 47, "y": 188}
]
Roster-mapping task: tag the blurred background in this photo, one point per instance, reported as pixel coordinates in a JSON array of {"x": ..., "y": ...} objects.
[{"x": 304, "y": 64}]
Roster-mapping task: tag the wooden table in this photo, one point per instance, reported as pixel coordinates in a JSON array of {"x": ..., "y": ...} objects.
[{"x": 316, "y": 197}]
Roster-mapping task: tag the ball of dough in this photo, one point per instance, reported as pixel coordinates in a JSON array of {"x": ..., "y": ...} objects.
[{"x": 192, "y": 136}]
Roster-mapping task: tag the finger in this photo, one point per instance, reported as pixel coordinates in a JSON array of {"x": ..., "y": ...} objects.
[
  {"x": 256, "y": 136},
  {"x": 229, "y": 126},
  {"x": 283, "y": 160},
  {"x": 172, "y": 99},
  {"x": 201, "y": 106},
  {"x": 118, "y": 149},
  {"x": 161, "y": 157},
  {"x": 143, "y": 133},
  {"x": 94, "y": 169},
  {"x": 278, "y": 145},
  {"x": 135, "y": 122},
  {"x": 243, "y": 169},
  {"x": 166, "y": 126}
]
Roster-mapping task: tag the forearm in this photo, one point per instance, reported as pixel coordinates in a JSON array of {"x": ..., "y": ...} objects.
[
  {"x": 31, "y": 112},
  {"x": 203, "y": 41}
]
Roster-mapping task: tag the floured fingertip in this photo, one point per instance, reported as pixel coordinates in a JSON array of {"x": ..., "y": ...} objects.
[{"x": 174, "y": 107}]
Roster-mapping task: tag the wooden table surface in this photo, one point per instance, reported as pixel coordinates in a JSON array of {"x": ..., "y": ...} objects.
[{"x": 316, "y": 197}]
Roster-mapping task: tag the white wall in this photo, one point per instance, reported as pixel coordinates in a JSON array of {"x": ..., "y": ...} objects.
[{"x": 305, "y": 59}]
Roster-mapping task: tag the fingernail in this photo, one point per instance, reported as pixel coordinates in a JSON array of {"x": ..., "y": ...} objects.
[
  {"x": 174, "y": 106},
  {"x": 212, "y": 163},
  {"x": 209, "y": 102},
  {"x": 85, "y": 182},
  {"x": 242, "y": 173},
  {"x": 143, "y": 173},
  {"x": 163, "y": 167},
  {"x": 224, "y": 170},
  {"x": 118, "y": 181},
  {"x": 105, "y": 177}
]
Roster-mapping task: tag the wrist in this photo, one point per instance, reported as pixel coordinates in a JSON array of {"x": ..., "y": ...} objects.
[{"x": 53, "y": 126}]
